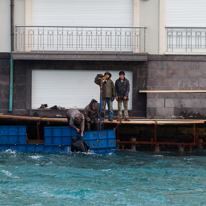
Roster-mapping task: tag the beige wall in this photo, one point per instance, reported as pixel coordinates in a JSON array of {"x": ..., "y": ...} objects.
[
  {"x": 149, "y": 17},
  {"x": 19, "y": 18},
  {"x": 146, "y": 13},
  {"x": 162, "y": 33},
  {"x": 19, "y": 12},
  {"x": 4, "y": 26}
]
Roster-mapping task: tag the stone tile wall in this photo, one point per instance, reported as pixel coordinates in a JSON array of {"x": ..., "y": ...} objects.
[{"x": 176, "y": 75}]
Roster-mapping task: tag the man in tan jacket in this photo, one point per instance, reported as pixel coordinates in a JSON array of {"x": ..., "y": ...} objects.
[{"x": 108, "y": 92}]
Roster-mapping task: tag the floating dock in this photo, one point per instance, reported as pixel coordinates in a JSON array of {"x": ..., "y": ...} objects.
[
  {"x": 154, "y": 140},
  {"x": 116, "y": 125},
  {"x": 56, "y": 139}
]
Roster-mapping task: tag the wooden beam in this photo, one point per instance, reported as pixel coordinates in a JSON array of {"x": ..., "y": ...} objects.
[
  {"x": 47, "y": 119},
  {"x": 134, "y": 121},
  {"x": 172, "y": 91},
  {"x": 130, "y": 122},
  {"x": 182, "y": 122},
  {"x": 20, "y": 117},
  {"x": 28, "y": 118},
  {"x": 159, "y": 122}
]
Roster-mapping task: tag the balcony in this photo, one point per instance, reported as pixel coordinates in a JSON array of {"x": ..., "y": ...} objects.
[
  {"x": 186, "y": 40},
  {"x": 80, "y": 43}
]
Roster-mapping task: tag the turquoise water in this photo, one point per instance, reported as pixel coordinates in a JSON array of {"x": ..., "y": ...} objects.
[{"x": 121, "y": 178}]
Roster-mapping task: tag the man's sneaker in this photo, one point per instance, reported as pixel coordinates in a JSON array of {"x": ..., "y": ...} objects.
[
  {"x": 111, "y": 120},
  {"x": 126, "y": 119},
  {"x": 119, "y": 119}
]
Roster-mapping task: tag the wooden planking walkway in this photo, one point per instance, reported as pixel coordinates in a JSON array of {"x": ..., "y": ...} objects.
[
  {"x": 132, "y": 121},
  {"x": 148, "y": 121}
]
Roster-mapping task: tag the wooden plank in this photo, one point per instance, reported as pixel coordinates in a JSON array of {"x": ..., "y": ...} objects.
[
  {"x": 172, "y": 91},
  {"x": 64, "y": 120},
  {"x": 47, "y": 119},
  {"x": 28, "y": 118},
  {"x": 157, "y": 122},
  {"x": 20, "y": 117},
  {"x": 130, "y": 122},
  {"x": 182, "y": 122}
]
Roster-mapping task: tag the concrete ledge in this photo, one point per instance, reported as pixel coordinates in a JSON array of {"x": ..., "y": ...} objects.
[
  {"x": 4, "y": 55},
  {"x": 106, "y": 56},
  {"x": 179, "y": 57}
]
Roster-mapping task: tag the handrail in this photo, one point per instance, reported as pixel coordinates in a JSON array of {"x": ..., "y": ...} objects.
[
  {"x": 79, "y": 39},
  {"x": 139, "y": 27},
  {"x": 184, "y": 27},
  {"x": 185, "y": 39}
]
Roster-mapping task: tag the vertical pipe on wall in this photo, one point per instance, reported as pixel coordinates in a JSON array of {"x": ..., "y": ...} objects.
[
  {"x": 11, "y": 57},
  {"x": 101, "y": 97}
]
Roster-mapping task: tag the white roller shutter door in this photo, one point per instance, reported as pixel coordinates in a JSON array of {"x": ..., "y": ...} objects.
[
  {"x": 82, "y": 13},
  {"x": 69, "y": 88},
  {"x": 185, "y": 13}
]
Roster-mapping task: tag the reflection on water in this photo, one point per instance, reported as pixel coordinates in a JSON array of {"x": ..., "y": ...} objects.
[{"x": 120, "y": 178}]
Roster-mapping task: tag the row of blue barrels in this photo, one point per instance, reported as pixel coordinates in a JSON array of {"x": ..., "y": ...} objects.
[
  {"x": 13, "y": 135},
  {"x": 63, "y": 135}
]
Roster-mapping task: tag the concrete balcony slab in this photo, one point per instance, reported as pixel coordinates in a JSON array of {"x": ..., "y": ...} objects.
[{"x": 90, "y": 56}]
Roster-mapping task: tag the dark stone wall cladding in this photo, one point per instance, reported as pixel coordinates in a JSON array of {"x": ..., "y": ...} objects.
[
  {"x": 156, "y": 74},
  {"x": 176, "y": 75},
  {"x": 21, "y": 84},
  {"x": 4, "y": 82}
]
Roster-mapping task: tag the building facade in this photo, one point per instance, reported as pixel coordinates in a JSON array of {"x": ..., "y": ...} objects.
[{"x": 59, "y": 47}]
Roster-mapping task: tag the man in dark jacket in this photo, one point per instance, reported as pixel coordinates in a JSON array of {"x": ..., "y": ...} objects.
[
  {"x": 122, "y": 89},
  {"x": 76, "y": 118},
  {"x": 108, "y": 92},
  {"x": 79, "y": 145},
  {"x": 91, "y": 114}
]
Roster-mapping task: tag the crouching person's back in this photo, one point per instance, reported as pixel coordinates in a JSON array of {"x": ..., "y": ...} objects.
[{"x": 79, "y": 145}]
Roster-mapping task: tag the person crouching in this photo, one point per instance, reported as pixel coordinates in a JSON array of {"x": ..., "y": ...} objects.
[
  {"x": 91, "y": 114},
  {"x": 75, "y": 119}
]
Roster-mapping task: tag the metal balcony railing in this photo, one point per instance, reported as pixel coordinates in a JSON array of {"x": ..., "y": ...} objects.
[
  {"x": 186, "y": 39},
  {"x": 80, "y": 39}
]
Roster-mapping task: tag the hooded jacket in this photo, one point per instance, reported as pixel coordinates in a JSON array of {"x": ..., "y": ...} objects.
[
  {"x": 108, "y": 86},
  {"x": 72, "y": 114},
  {"x": 91, "y": 114},
  {"x": 79, "y": 145},
  {"x": 122, "y": 89}
]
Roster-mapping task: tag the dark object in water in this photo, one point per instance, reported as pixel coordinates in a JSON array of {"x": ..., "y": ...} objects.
[{"x": 79, "y": 145}]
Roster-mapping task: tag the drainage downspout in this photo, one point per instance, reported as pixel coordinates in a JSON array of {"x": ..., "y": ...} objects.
[{"x": 11, "y": 57}]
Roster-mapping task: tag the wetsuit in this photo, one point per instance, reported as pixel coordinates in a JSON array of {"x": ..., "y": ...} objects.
[{"x": 79, "y": 145}]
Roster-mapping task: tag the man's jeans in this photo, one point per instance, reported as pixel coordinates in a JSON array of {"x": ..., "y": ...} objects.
[
  {"x": 125, "y": 103},
  {"x": 88, "y": 125},
  {"x": 108, "y": 101}
]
